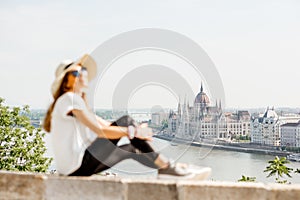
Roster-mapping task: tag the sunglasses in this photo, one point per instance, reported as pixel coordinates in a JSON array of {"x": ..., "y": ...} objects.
[{"x": 77, "y": 73}]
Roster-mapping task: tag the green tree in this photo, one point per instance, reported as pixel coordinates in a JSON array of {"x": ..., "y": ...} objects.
[
  {"x": 247, "y": 179},
  {"x": 21, "y": 145},
  {"x": 164, "y": 124},
  {"x": 278, "y": 168}
]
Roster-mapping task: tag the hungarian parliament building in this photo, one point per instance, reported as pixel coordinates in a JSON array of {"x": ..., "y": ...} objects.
[{"x": 203, "y": 121}]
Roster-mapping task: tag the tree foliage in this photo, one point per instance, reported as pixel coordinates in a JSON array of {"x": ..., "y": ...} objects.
[
  {"x": 278, "y": 168},
  {"x": 164, "y": 124},
  {"x": 21, "y": 145}
]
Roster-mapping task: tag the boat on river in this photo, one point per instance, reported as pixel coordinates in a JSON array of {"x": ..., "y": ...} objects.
[{"x": 293, "y": 157}]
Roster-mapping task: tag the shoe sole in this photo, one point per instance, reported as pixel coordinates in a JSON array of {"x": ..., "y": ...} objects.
[
  {"x": 197, "y": 173},
  {"x": 202, "y": 173}
]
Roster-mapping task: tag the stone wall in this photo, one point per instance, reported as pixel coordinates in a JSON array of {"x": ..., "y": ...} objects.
[{"x": 40, "y": 186}]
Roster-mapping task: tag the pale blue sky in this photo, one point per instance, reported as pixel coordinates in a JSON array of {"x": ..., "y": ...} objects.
[{"x": 255, "y": 44}]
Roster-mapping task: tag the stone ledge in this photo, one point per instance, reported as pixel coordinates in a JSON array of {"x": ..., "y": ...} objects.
[{"x": 16, "y": 185}]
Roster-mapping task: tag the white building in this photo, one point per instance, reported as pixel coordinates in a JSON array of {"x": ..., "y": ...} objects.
[
  {"x": 158, "y": 117},
  {"x": 202, "y": 121},
  {"x": 290, "y": 134},
  {"x": 265, "y": 130}
]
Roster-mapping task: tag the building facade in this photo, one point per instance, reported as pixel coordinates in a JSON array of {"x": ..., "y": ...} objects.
[
  {"x": 290, "y": 134},
  {"x": 265, "y": 129},
  {"x": 158, "y": 117},
  {"x": 203, "y": 121}
]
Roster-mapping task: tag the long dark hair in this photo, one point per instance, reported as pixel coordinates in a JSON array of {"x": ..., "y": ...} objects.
[{"x": 63, "y": 88}]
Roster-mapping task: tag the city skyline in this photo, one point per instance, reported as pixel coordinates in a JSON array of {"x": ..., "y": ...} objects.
[{"x": 254, "y": 45}]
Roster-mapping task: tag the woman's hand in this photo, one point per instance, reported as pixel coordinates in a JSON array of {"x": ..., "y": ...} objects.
[{"x": 144, "y": 132}]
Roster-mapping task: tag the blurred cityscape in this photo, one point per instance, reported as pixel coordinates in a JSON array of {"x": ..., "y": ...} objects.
[{"x": 205, "y": 121}]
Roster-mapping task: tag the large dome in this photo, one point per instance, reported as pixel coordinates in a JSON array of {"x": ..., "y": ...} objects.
[{"x": 201, "y": 97}]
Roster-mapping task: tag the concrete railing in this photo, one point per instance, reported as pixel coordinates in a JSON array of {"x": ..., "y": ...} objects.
[{"x": 15, "y": 185}]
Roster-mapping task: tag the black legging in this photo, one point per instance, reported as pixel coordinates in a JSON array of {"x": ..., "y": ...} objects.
[{"x": 103, "y": 153}]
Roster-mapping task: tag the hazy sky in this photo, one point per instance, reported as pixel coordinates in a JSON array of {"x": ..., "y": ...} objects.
[{"x": 255, "y": 44}]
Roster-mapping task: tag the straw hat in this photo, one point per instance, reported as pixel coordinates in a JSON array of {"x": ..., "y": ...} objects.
[{"x": 68, "y": 65}]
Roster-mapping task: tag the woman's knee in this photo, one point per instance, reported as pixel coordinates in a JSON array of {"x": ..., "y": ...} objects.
[{"x": 125, "y": 120}]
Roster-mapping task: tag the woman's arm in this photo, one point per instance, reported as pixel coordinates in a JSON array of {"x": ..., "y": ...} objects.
[
  {"x": 102, "y": 122},
  {"x": 99, "y": 119},
  {"x": 91, "y": 121}
]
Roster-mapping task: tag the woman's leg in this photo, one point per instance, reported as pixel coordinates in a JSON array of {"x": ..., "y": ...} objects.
[
  {"x": 102, "y": 154},
  {"x": 142, "y": 145},
  {"x": 88, "y": 165},
  {"x": 125, "y": 120},
  {"x": 125, "y": 152}
]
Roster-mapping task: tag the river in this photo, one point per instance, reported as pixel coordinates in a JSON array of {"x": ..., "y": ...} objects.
[{"x": 226, "y": 165}]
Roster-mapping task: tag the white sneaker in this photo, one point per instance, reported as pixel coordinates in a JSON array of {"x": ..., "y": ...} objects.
[
  {"x": 184, "y": 171},
  {"x": 201, "y": 173}
]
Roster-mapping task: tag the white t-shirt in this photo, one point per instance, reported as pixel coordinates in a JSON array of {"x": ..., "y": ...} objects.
[{"x": 70, "y": 138}]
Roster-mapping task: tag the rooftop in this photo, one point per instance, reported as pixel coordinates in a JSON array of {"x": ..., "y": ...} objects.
[{"x": 291, "y": 124}]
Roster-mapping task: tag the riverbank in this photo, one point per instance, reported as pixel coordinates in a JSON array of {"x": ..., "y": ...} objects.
[{"x": 229, "y": 147}]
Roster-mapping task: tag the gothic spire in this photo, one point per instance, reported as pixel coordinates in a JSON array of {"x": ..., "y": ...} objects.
[
  {"x": 179, "y": 108},
  {"x": 201, "y": 89}
]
